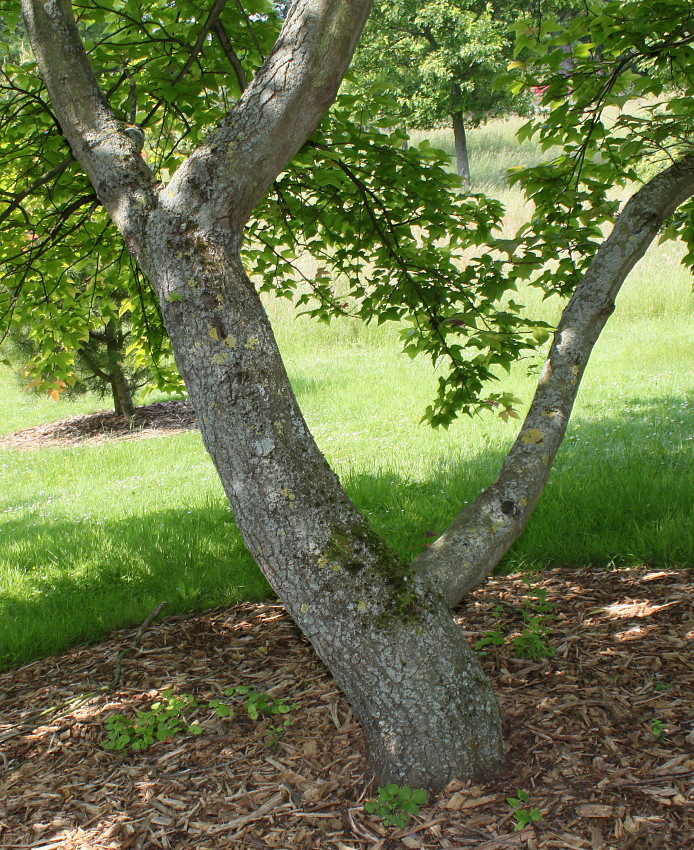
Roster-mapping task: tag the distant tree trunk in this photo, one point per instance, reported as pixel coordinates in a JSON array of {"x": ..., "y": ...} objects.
[
  {"x": 461, "y": 157},
  {"x": 123, "y": 403},
  {"x": 462, "y": 163},
  {"x": 122, "y": 396}
]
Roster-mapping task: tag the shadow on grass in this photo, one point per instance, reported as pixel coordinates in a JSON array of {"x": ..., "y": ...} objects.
[
  {"x": 621, "y": 494},
  {"x": 83, "y": 579}
]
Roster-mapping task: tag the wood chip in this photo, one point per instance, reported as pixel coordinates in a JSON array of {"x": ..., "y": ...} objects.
[
  {"x": 594, "y": 810},
  {"x": 588, "y": 758}
]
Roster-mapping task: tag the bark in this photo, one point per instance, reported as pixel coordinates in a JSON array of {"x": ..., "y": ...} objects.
[
  {"x": 462, "y": 163},
  {"x": 483, "y": 532},
  {"x": 123, "y": 404}
]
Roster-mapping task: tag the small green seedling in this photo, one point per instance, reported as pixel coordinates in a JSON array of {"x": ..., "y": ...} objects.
[
  {"x": 396, "y": 803},
  {"x": 537, "y": 613},
  {"x": 530, "y": 642},
  {"x": 167, "y": 717},
  {"x": 164, "y": 719},
  {"x": 258, "y": 704},
  {"x": 662, "y": 687},
  {"x": 274, "y": 733},
  {"x": 539, "y": 597},
  {"x": 658, "y": 729},
  {"x": 221, "y": 709},
  {"x": 522, "y": 815},
  {"x": 494, "y": 637}
]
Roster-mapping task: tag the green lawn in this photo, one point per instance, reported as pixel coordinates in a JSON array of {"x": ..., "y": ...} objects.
[{"x": 93, "y": 538}]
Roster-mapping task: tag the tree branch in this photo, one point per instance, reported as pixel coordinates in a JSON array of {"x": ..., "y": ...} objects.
[
  {"x": 40, "y": 181},
  {"x": 483, "y": 532},
  {"x": 111, "y": 160},
  {"x": 211, "y": 22},
  {"x": 228, "y": 174},
  {"x": 230, "y": 54}
]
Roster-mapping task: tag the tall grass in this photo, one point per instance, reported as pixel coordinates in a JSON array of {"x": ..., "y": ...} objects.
[
  {"x": 492, "y": 149},
  {"x": 93, "y": 537}
]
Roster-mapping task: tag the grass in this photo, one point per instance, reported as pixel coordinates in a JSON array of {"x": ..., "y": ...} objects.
[
  {"x": 93, "y": 538},
  {"x": 492, "y": 149}
]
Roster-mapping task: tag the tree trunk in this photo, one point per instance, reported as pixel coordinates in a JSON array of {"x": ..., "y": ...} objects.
[
  {"x": 381, "y": 625},
  {"x": 427, "y": 710},
  {"x": 461, "y": 156},
  {"x": 123, "y": 404},
  {"x": 462, "y": 163}
]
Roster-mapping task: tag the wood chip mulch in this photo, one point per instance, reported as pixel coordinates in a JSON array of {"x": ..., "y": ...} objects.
[
  {"x": 579, "y": 727},
  {"x": 153, "y": 420}
]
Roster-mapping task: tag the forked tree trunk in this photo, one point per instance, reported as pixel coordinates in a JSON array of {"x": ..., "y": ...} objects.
[
  {"x": 427, "y": 710},
  {"x": 382, "y": 626}
]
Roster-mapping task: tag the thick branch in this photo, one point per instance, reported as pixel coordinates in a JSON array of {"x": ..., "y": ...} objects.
[
  {"x": 110, "y": 158},
  {"x": 233, "y": 168},
  {"x": 482, "y": 533}
]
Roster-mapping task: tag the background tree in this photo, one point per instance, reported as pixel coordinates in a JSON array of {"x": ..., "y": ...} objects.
[
  {"x": 72, "y": 301},
  {"x": 76, "y": 339},
  {"x": 439, "y": 61},
  {"x": 381, "y": 625}
]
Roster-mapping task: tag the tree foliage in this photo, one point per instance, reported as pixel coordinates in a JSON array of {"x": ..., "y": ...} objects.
[
  {"x": 395, "y": 238},
  {"x": 386, "y": 254},
  {"x": 618, "y": 112},
  {"x": 431, "y": 45},
  {"x": 66, "y": 275}
]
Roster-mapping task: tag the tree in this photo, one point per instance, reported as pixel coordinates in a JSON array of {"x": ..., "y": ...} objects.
[
  {"x": 443, "y": 59},
  {"x": 100, "y": 363},
  {"x": 383, "y": 626}
]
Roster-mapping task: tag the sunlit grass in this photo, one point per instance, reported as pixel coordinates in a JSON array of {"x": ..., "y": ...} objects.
[
  {"x": 492, "y": 149},
  {"x": 94, "y": 537}
]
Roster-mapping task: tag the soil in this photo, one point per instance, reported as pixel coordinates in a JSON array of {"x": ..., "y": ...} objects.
[{"x": 599, "y": 735}]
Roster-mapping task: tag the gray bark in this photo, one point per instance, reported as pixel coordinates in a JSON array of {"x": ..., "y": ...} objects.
[
  {"x": 382, "y": 626},
  {"x": 462, "y": 163},
  {"x": 427, "y": 710}
]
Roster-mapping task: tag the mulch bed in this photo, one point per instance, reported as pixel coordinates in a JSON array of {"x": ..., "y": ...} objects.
[
  {"x": 154, "y": 420},
  {"x": 579, "y": 728}
]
